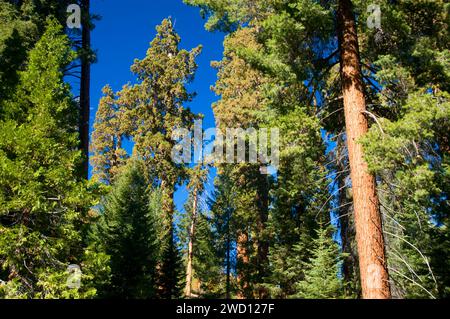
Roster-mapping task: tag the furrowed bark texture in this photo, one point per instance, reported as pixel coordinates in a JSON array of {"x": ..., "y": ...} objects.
[
  {"x": 243, "y": 264},
  {"x": 369, "y": 234}
]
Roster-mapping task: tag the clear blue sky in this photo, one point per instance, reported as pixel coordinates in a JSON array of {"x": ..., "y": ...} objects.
[{"x": 124, "y": 33}]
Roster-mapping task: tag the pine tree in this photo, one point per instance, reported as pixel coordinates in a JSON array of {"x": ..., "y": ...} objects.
[
  {"x": 44, "y": 204},
  {"x": 171, "y": 275},
  {"x": 16, "y": 38},
  {"x": 222, "y": 206},
  {"x": 369, "y": 233},
  {"x": 85, "y": 82},
  {"x": 322, "y": 274},
  {"x": 300, "y": 193},
  {"x": 408, "y": 58},
  {"x": 22, "y": 23},
  {"x": 30, "y": 15},
  {"x": 128, "y": 233},
  {"x": 207, "y": 264}
]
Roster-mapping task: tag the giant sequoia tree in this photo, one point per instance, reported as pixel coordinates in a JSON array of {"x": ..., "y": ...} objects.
[
  {"x": 149, "y": 112},
  {"x": 240, "y": 88}
]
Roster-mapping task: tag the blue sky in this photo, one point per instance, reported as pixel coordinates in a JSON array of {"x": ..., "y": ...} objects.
[{"x": 124, "y": 33}]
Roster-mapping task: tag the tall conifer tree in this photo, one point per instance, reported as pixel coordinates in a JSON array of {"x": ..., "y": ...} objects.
[{"x": 44, "y": 202}]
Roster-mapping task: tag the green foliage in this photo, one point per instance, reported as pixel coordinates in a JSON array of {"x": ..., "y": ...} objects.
[
  {"x": 127, "y": 232},
  {"x": 148, "y": 112},
  {"x": 108, "y": 155},
  {"x": 321, "y": 277},
  {"x": 411, "y": 156},
  {"x": 405, "y": 69},
  {"x": 208, "y": 266},
  {"x": 44, "y": 202},
  {"x": 16, "y": 38},
  {"x": 171, "y": 275},
  {"x": 208, "y": 259},
  {"x": 263, "y": 236}
]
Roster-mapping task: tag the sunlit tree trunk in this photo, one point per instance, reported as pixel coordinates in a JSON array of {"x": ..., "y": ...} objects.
[
  {"x": 369, "y": 234},
  {"x": 190, "y": 255}
]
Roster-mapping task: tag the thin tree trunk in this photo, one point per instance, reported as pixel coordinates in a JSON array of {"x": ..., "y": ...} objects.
[
  {"x": 228, "y": 283},
  {"x": 262, "y": 201},
  {"x": 190, "y": 256},
  {"x": 369, "y": 234},
  {"x": 85, "y": 86}
]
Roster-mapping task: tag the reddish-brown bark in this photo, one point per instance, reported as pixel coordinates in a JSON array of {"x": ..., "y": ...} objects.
[
  {"x": 243, "y": 264},
  {"x": 369, "y": 234}
]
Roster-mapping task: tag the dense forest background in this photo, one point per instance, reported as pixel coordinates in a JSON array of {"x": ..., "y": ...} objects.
[{"x": 358, "y": 207}]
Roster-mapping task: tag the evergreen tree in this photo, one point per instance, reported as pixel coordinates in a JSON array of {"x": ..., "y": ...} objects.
[
  {"x": 108, "y": 155},
  {"x": 300, "y": 199},
  {"x": 149, "y": 112},
  {"x": 44, "y": 204},
  {"x": 322, "y": 273},
  {"x": 196, "y": 186},
  {"x": 251, "y": 98},
  {"x": 86, "y": 58},
  {"x": 300, "y": 45},
  {"x": 408, "y": 60},
  {"x": 22, "y": 23},
  {"x": 410, "y": 157},
  {"x": 362, "y": 112},
  {"x": 222, "y": 206},
  {"x": 128, "y": 233},
  {"x": 242, "y": 101},
  {"x": 17, "y": 37},
  {"x": 162, "y": 75},
  {"x": 207, "y": 264},
  {"x": 171, "y": 275}
]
